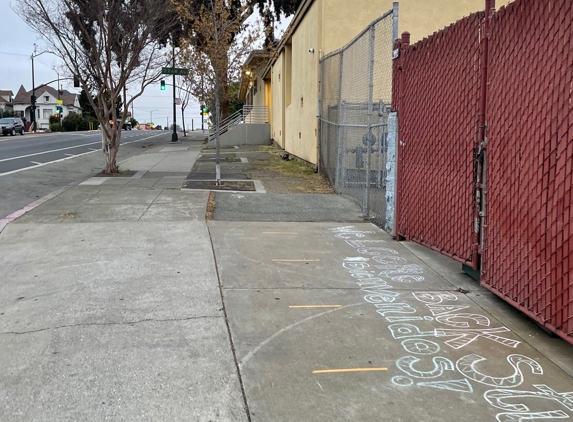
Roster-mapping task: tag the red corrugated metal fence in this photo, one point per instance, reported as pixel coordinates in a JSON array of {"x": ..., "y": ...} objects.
[
  {"x": 437, "y": 95},
  {"x": 525, "y": 52},
  {"x": 529, "y": 235}
]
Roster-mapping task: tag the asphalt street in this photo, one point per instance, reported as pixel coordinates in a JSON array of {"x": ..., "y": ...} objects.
[
  {"x": 32, "y": 150},
  {"x": 35, "y": 165}
]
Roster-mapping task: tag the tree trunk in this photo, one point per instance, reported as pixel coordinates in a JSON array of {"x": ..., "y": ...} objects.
[
  {"x": 110, "y": 149},
  {"x": 183, "y": 121}
]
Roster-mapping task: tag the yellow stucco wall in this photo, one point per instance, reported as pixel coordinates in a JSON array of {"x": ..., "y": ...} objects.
[
  {"x": 424, "y": 17},
  {"x": 419, "y": 17},
  {"x": 259, "y": 97},
  {"x": 326, "y": 26},
  {"x": 301, "y": 122},
  {"x": 277, "y": 98}
]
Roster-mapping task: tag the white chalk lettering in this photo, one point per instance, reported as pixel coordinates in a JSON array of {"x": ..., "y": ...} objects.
[
  {"x": 520, "y": 417},
  {"x": 434, "y": 297},
  {"x": 389, "y": 260},
  {"x": 460, "y": 386},
  {"x": 445, "y": 309},
  {"x": 450, "y": 320},
  {"x": 407, "y": 278},
  {"x": 496, "y": 397},
  {"x": 403, "y": 318},
  {"x": 420, "y": 346},
  {"x": 441, "y": 364},
  {"x": 466, "y": 366},
  {"x": 465, "y": 337},
  {"x": 356, "y": 259},
  {"x": 401, "y": 330},
  {"x": 383, "y": 292},
  {"x": 377, "y": 251},
  {"x": 379, "y": 298},
  {"x": 396, "y": 308},
  {"x": 355, "y": 265}
]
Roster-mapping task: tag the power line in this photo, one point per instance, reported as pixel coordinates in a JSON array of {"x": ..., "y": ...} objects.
[{"x": 14, "y": 54}]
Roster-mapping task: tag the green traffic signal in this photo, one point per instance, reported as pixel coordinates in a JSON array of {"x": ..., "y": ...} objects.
[{"x": 163, "y": 85}]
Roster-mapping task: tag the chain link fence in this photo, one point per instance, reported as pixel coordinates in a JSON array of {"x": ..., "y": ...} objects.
[{"x": 355, "y": 99}]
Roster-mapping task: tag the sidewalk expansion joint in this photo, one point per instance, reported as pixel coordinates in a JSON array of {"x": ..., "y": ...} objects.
[
  {"x": 103, "y": 324},
  {"x": 237, "y": 366}
]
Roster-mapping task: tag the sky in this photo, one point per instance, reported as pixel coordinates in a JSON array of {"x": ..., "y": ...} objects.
[{"x": 17, "y": 45}]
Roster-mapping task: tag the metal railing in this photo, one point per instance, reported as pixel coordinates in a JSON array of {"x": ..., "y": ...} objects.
[{"x": 248, "y": 114}]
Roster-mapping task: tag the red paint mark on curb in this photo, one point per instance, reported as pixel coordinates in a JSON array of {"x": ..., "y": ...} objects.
[{"x": 6, "y": 220}]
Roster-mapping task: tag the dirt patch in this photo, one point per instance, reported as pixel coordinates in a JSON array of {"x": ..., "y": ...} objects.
[
  {"x": 122, "y": 173},
  {"x": 284, "y": 165},
  {"x": 210, "y": 206}
]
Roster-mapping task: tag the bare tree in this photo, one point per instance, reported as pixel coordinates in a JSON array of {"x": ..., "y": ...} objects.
[
  {"x": 110, "y": 46},
  {"x": 184, "y": 86}
]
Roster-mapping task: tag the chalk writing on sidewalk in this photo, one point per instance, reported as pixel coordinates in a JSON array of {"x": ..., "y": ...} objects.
[{"x": 378, "y": 270}]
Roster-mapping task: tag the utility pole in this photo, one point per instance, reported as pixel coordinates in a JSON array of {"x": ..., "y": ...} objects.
[
  {"x": 174, "y": 135},
  {"x": 33, "y": 99}
]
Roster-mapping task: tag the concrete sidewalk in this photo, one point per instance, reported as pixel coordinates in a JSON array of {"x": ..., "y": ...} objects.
[{"x": 121, "y": 302}]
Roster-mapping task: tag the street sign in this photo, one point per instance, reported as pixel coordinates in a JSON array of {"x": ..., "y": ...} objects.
[
  {"x": 174, "y": 71},
  {"x": 59, "y": 101}
]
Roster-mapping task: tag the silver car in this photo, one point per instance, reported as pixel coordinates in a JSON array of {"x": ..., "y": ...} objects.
[{"x": 12, "y": 126}]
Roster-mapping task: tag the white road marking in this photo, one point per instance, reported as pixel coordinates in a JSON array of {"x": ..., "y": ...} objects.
[
  {"x": 35, "y": 162},
  {"x": 67, "y": 158},
  {"x": 47, "y": 152}
]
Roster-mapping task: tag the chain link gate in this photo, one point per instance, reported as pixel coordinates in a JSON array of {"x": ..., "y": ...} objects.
[{"x": 355, "y": 98}]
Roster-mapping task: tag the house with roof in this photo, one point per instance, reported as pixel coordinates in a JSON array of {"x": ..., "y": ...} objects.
[
  {"x": 288, "y": 82},
  {"x": 46, "y": 103},
  {"x": 6, "y": 97}
]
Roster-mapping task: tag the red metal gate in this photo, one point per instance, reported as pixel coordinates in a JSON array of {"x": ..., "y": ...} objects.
[
  {"x": 437, "y": 95},
  {"x": 528, "y": 258},
  {"x": 525, "y": 53}
]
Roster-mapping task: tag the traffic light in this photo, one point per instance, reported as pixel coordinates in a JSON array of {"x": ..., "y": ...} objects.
[
  {"x": 76, "y": 82},
  {"x": 58, "y": 110},
  {"x": 204, "y": 110},
  {"x": 163, "y": 85}
]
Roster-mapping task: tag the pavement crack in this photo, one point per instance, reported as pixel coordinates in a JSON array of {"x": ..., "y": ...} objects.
[
  {"x": 103, "y": 324},
  {"x": 233, "y": 350}
]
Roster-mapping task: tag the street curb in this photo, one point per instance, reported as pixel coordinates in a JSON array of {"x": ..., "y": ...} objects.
[{"x": 8, "y": 219}]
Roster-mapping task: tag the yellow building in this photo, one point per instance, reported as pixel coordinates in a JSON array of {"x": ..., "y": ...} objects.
[{"x": 288, "y": 82}]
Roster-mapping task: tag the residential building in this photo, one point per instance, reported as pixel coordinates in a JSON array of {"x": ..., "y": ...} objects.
[
  {"x": 46, "y": 102},
  {"x": 288, "y": 82},
  {"x": 6, "y": 98}
]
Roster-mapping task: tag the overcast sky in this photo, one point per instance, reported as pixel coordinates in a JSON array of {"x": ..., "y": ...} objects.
[{"x": 17, "y": 45}]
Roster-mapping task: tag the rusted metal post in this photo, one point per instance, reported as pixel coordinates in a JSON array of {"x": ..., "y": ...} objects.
[
  {"x": 401, "y": 44},
  {"x": 481, "y": 144}
]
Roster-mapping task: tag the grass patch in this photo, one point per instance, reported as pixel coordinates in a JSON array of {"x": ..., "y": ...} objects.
[{"x": 310, "y": 182}]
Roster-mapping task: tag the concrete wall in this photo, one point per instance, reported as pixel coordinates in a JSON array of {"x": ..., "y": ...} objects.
[{"x": 245, "y": 134}]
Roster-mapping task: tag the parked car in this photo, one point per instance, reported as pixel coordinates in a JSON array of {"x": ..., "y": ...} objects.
[{"x": 12, "y": 126}]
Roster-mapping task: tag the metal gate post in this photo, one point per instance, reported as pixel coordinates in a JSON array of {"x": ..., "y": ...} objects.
[
  {"x": 480, "y": 146},
  {"x": 340, "y": 157},
  {"x": 369, "y": 128},
  {"x": 402, "y": 45},
  {"x": 395, "y": 8}
]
